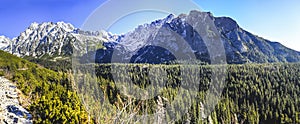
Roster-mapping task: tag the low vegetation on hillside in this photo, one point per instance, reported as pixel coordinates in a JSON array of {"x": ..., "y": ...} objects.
[{"x": 49, "y": 94}]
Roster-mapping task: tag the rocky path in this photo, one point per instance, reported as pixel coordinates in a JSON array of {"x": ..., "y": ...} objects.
[{"x": 11, "y": 112}]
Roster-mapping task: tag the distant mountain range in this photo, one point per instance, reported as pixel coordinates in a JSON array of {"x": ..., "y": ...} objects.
[{"x": 62, "y": 39}]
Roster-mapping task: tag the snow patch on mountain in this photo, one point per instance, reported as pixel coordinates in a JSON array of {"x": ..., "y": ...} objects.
[{"x": 4, "y": 42}]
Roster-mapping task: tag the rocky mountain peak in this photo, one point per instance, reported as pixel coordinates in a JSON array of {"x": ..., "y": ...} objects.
[
  {"x": 48, "y": 25},
  {"x": 226, "y": 23}
]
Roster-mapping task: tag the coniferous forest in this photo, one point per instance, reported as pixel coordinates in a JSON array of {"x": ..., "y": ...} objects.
[{"x": 253, "y": 93}]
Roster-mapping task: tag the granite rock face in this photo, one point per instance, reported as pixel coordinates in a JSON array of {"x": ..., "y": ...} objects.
[{"x": 11, "y": 112}]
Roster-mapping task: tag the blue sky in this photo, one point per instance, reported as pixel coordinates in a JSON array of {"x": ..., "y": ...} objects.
[{"x": 276, "y": 20}]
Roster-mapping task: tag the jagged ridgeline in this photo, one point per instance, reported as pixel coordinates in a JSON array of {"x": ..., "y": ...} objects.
[
  {"x": 46, "y": 94},
  {"x": 254, "y": 93},
  {"x": 51, "y": 43}
]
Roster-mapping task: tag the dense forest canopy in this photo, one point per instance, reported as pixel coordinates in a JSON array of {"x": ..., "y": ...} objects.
[{"x": 254, "y": 93}]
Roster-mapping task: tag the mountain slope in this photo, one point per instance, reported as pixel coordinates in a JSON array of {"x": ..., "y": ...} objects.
[
  {"x": 46, "y": 94},
  {"x": 250, "y": 47}
]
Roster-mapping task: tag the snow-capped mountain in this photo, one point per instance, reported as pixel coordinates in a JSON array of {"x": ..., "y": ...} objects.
[
  {"x": 140, "y": 45},
  {"x": 54, "y": 39}
]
